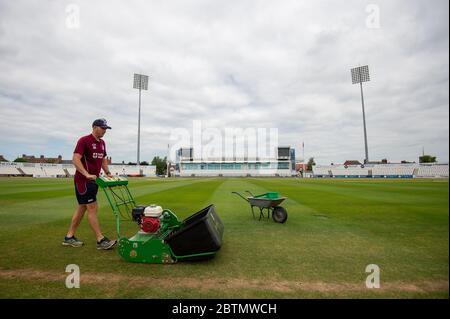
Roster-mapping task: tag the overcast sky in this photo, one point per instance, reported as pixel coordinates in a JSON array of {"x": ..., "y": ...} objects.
[{"x": 267, "y": 64}]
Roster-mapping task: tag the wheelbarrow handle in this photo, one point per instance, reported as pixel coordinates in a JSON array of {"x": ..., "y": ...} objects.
[
  {"x": 240, "y": 196},
  {"x": 250, "y": 193}
]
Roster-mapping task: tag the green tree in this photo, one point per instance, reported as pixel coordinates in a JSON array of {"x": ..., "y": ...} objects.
[
  {"x": 310, "y": 164},
  {"x": 427, "y": 159},
  {"x": 161, "y": 165},
  {"x": 20, "y": 160},
  {"x": 144, "y": 163}
]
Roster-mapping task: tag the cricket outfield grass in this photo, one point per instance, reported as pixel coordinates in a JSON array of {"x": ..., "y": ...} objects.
[{"x": 335, "y": 229}]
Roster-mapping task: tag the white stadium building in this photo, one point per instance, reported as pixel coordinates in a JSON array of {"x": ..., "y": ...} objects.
[
  {"x": 282, "y": 163},
  {"x": 411, "y": 170}
]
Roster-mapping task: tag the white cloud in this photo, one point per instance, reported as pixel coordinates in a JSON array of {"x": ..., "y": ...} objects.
[{"x": 229, "y": 64}]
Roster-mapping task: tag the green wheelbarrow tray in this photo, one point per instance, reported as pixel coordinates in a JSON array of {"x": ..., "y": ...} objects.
[
  {"x": 269, "y": 201},
  {"x": 269, "y": 195}
]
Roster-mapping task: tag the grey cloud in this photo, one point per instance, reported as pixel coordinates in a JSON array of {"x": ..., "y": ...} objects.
[{"x": 240, "y": 64}]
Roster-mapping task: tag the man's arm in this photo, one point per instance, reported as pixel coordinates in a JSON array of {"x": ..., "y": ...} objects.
[
  {"x": 105, "y": 166},
  {"x": 76, "y": 160}
]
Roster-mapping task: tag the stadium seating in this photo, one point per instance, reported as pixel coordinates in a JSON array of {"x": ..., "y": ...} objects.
[
  {"x": 349, "y": 171},
  {"x": 393, "y": 170},
  {"x": 320, "y": 170},
  {"x": 33, "y": 169},
  {"x": 117, "y": 170},
  {"x": 435, "y": 170},
  {"x": 383, "y": 170},
  {"x": 124, "y": 170},
  {"x": 69, "y": 168},
  {"x": 53, "y": 170},
  {"x": 7, "y": 168},
  {"x": 148, "y": 170}
]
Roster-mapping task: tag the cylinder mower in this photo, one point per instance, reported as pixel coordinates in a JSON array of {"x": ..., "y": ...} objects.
[{"x": 161, "y": 238}]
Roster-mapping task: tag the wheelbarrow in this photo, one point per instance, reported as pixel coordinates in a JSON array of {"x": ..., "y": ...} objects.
[{"x": 268, "y": 201}]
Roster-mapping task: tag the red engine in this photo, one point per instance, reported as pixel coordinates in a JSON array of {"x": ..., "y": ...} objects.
[{"x": 149, "y": 224}]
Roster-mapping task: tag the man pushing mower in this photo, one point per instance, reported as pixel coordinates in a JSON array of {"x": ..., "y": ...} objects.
[{"x": 89, "y": 157}]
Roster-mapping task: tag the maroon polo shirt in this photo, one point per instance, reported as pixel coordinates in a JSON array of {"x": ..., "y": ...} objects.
[{"x": 92, "y": 153}]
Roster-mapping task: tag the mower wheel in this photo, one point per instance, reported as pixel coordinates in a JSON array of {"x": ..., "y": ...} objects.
[{"x": 279, "y": 214}]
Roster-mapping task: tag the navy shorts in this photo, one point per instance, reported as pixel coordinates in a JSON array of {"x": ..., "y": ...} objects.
[{"x": 86, "y": 192}]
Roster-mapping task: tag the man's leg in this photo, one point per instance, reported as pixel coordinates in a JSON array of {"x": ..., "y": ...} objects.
[
  {"x": 76, "y": 219},
  {"x": 93, "y": 220},
  {"x": 102, "y": 241}
]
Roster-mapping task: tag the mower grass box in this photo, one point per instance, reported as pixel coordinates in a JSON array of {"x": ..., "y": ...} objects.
[
  {"x": 201, "y": 233},
  {"x": 162, "y": 238}
]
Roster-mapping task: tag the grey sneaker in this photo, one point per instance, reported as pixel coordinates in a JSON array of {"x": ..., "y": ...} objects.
[
  {"x": 72, "y": 241},
  {"x": 105, "y": 243}
]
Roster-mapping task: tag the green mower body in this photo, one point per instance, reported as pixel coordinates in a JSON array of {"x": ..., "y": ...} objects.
[{"x": 197, "y": 237}]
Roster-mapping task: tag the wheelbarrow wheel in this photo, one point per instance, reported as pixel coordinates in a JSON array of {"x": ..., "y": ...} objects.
[{"x": 279, "y": 214}]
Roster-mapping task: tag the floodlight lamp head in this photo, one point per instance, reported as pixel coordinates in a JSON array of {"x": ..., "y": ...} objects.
[
  {"x": 140, "y": 82},
  {"x": 360, "y": 74}
]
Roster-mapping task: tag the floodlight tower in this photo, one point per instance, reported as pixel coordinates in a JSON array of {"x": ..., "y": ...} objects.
[
  {"x": 140, "y": 82},
  {"x": 360, "y": 75}
]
